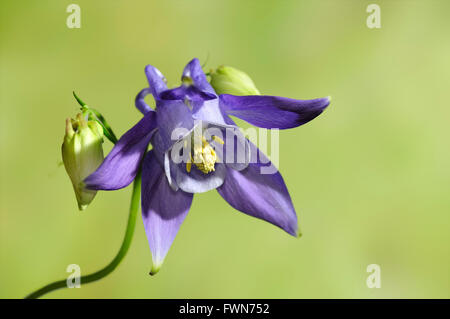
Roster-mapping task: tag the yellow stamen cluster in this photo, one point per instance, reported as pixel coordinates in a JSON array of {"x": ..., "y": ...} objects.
[{"x": 203, "y": 156}]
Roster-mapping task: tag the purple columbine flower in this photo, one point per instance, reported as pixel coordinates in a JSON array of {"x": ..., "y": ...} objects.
[{"x": 168, "y": 186}]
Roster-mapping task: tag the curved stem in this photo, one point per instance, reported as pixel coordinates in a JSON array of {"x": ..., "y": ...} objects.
[{"x": 134, "y": 208}]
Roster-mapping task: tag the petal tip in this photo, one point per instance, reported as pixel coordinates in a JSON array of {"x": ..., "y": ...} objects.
[
  {"x": 293, "y": 229},
  {"x": 326, "y": 102},
  {"x": 149, "y": 67},
  {"x": 90, "y": 183},
  {"x": 194, "y": 61},
  {"x": 155, "y": 269}
]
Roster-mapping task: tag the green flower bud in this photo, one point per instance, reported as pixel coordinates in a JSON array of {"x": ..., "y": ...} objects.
[
  {"x": 228, "y": 80},
  {"x": 82, "y": 154}
]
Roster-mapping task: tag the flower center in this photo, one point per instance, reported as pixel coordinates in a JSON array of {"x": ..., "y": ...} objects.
[{"x": 203, "y": 156}]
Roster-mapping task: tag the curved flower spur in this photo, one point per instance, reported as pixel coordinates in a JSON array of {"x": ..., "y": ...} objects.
[{"x": 196, "y": 148}]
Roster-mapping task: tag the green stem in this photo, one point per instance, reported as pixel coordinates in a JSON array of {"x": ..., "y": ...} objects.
[
  {"x": 134, "y": 208},
  {"x": 82, "y": 104}
]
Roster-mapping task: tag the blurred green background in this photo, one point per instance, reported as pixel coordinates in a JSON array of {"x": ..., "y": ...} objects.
[{"x": 370, "y": 177}]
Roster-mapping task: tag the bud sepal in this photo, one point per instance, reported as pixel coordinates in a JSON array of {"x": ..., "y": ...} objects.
[
  {"x": 229, "y": 80},
  {"x": 82, "y": 154}
]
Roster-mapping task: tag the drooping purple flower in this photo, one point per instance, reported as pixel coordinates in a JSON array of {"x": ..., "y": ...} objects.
[{"x": 168, "y": 185}]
